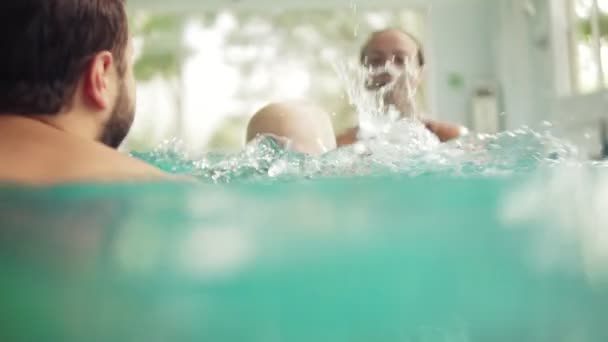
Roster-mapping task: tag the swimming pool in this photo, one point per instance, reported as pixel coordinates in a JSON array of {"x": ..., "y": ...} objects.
[{"x": 502, "y": 243}]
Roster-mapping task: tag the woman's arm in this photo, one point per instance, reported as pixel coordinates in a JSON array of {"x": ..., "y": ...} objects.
[
  {"x": 347, "y": 138},
  {"x": 445, "y": 131}
]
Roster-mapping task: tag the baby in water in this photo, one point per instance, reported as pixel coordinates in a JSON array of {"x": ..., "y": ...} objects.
[{"x": 299, "y": 126}]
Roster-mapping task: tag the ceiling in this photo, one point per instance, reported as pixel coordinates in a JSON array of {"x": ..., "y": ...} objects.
[{"x": 273, "y": 4}]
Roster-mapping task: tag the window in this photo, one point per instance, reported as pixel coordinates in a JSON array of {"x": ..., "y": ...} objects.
[{"x": 589, "y": 44}]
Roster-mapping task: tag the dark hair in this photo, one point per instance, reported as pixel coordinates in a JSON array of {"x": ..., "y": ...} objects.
[
  {"x": 46, "y": 44},
  {"x": 420, "y": 56}
]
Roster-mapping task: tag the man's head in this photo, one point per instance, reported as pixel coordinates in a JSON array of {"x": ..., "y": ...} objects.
[
  {"x": 68, "y": 63},
  {"x": 390, "y": 47}
]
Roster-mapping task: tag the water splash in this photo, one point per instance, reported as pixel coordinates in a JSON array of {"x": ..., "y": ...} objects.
[
  {"x": 171, "y": 156},
  {"x": 391, "y": 141},
  {"x": 408, "y": 149},
  {"x": 375, "y": 112}
]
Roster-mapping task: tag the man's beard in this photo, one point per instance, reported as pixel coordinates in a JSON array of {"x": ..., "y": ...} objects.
[{"x": 118, "y": 125}]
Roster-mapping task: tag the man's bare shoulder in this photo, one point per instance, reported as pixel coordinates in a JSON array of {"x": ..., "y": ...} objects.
[
  {"x": 64, "y": 159},
  {"x": 348, "y": 138},
  {"x": 118, "y": 165},
  {"x": 110, "y": 167},
  {"x": 130, "y": 169}
]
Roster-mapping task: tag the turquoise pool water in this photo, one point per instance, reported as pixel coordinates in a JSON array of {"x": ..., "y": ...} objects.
[{"x": 488, "y": 239}]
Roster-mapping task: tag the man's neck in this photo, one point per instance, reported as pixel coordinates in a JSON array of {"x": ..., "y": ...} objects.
[{"x": 77, "y": 124}]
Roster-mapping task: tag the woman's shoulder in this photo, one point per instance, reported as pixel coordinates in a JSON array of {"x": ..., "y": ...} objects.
[{"x": 348, "y": 137}]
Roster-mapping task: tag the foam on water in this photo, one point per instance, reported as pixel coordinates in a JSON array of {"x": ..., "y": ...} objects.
[{"x": 407, "y": 149}]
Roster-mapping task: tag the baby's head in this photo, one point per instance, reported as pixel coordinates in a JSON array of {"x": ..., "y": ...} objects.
[{"x": 305, "y": 127}]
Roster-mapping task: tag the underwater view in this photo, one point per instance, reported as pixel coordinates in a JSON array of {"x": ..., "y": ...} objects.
[
  {"x": 351, "y": 216},
  {"x": 489, "y": 238}
]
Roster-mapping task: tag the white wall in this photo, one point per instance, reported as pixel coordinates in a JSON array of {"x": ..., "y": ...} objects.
[
  {"x": 459, "y": 43},
  {"x": 495, "y": 42},
  {"x": 514, "y": 66}
]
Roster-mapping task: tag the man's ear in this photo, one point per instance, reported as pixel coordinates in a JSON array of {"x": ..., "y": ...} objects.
[{"x": 96, "y": 80}]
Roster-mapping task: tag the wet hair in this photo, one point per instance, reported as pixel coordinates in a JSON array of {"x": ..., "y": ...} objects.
[
  {"x": 420, "y": 56},
  {"x": 45, "y": 45}
]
